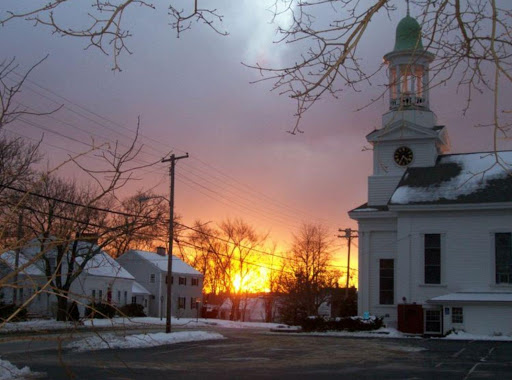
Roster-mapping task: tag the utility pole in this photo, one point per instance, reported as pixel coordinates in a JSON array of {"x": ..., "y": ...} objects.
[
  {"x": 349, "y": 234},
  {"x": 172, "y": 160}
]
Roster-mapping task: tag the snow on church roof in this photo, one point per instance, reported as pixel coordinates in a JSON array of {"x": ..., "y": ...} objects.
[
  {"x": 159, "y": 261},
  {"x": 458, "y": 178}
]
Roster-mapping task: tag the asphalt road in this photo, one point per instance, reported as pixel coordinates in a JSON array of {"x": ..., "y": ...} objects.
[{"x": 247, "y": 354}]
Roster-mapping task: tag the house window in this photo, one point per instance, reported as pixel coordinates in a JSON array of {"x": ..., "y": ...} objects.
[
  {"x": 152, "y": 278},
  {"x": 457, "y": 316},
  {"x": 193, "y": 303},
  {"x": 194, "y": 281},
  {"x": 134, "y": 300},
  {"x": 503, "y": 246},
  {"x": 93, "y": 295},
  {"x": 100, "y": 295},
  {"x": 387, "y": 281},
  {"x": 432, "y": 258},
  {"x": 433, "y": 321},
  {"x": 172, "y": 279},
  {"x": 119, "y": 296},
  {"x": 181, "y": 302},
  {"x": 125, "y": 297},
  {"x": 182, "y": 280},
  {"x": 145, "y": 302}
]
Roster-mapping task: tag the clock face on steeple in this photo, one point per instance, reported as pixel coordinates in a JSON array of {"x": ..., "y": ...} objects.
[{"x": 403, "y": 156}]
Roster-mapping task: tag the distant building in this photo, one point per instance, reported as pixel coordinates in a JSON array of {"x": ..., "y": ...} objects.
[
  {"x": 150, "y": 270},
  {"x": 435, "y": 237}
]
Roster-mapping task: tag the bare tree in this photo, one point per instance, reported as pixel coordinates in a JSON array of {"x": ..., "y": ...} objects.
[
  {"x": 141, "y": 206},
  {"x": 105, "y": 29},
  {"x": 471, "y": 40},
  {"x": 308, "y": 276},
  {"x": 226, "y": 255}
]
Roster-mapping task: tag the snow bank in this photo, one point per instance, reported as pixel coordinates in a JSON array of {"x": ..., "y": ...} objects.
[
  {"x": 383, "y": 332},
  {"x": 140, "y": 340},
  {"x": 149, "y": 322},
  {"x": 462, "y": 335},
  {"x": 9, "y": 371}
]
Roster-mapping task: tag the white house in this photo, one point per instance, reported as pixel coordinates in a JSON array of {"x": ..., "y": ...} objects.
[
  {"x": 150, "y": 270},
  {"x": 435, "y": 236},
  {"x": 102, "y": 280},
  {"x": 30, "y": 281}
]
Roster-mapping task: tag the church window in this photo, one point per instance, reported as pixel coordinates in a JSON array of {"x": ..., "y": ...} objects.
[
  {"x": 432, "y": 258},
  {"x": 503, "y": 247},
  {"x": 387, "y": 281}
]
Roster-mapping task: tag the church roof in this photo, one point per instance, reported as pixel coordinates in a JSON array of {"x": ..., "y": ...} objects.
[{"x": 458, "y": 179}]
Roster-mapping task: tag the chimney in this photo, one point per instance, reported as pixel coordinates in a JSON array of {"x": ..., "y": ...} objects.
[{"x": 161, "y": 251}]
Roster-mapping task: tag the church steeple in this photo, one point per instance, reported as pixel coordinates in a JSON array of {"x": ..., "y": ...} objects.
[{"x": 408, "y": 66}]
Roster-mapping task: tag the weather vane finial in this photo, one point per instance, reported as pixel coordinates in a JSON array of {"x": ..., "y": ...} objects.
[{"x": 407, "y": 1}]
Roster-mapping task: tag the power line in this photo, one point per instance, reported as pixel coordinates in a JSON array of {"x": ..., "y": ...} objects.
[{"x": 280, "y": 256}]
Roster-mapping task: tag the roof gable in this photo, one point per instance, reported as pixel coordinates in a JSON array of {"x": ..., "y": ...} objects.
[{"x": 403, "y": 130}]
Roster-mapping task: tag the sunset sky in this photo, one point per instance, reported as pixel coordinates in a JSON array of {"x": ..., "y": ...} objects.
[{"x": 194, "y": 95}]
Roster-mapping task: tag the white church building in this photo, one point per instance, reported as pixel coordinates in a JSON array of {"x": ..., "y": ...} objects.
[{"x": 435, "y": 236}]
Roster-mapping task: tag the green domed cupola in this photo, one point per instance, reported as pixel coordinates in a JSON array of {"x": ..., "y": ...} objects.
[
  {"x": 408, "y": 68},
  {"x": 408, "y": 35}
]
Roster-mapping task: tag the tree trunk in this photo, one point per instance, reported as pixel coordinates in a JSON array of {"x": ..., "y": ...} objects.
[{"x": 62, "y": 307}]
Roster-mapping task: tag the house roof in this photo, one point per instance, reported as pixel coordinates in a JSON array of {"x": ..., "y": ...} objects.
[
  {"x": 100, "y": 264},
  {"x": 473, "y": 297},
  {"x": 458, "y": 179},
  {"x": 9, "y": 259},
  {"x": 103, "y": 265},
  {"x": 139, "y": 289},
  {"x": 178, "y": 266}
]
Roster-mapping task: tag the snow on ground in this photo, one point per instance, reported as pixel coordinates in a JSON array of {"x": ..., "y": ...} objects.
[
  {"x": 149, "y": 322},
  {"x": 383, "y": 332},
  {"x": 9, "y": 371},
  {"x": 104, "y": 341},
  {"x": 462, "y": 335},
  {"x": 49, "y": 325}
]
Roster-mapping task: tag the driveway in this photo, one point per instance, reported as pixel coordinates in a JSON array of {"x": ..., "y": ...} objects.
[{"x": 260, "y": 354}]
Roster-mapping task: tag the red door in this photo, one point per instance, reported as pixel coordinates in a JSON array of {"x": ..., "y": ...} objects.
[{"x": 410, "y": 318}]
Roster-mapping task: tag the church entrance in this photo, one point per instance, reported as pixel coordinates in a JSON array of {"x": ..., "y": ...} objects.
[{"x": 410, "y": 318}]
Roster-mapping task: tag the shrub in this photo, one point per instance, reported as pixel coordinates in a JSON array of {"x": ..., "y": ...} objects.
[
  {"x": 132, "y": 310},
  {"x": 6, "y": 310},
  {"x": 100, "y": 310},
  {"x": 340, "y": 324}
]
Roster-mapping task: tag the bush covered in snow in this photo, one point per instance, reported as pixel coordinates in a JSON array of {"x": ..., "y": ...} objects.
[{"x": 340, "y": 324}]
